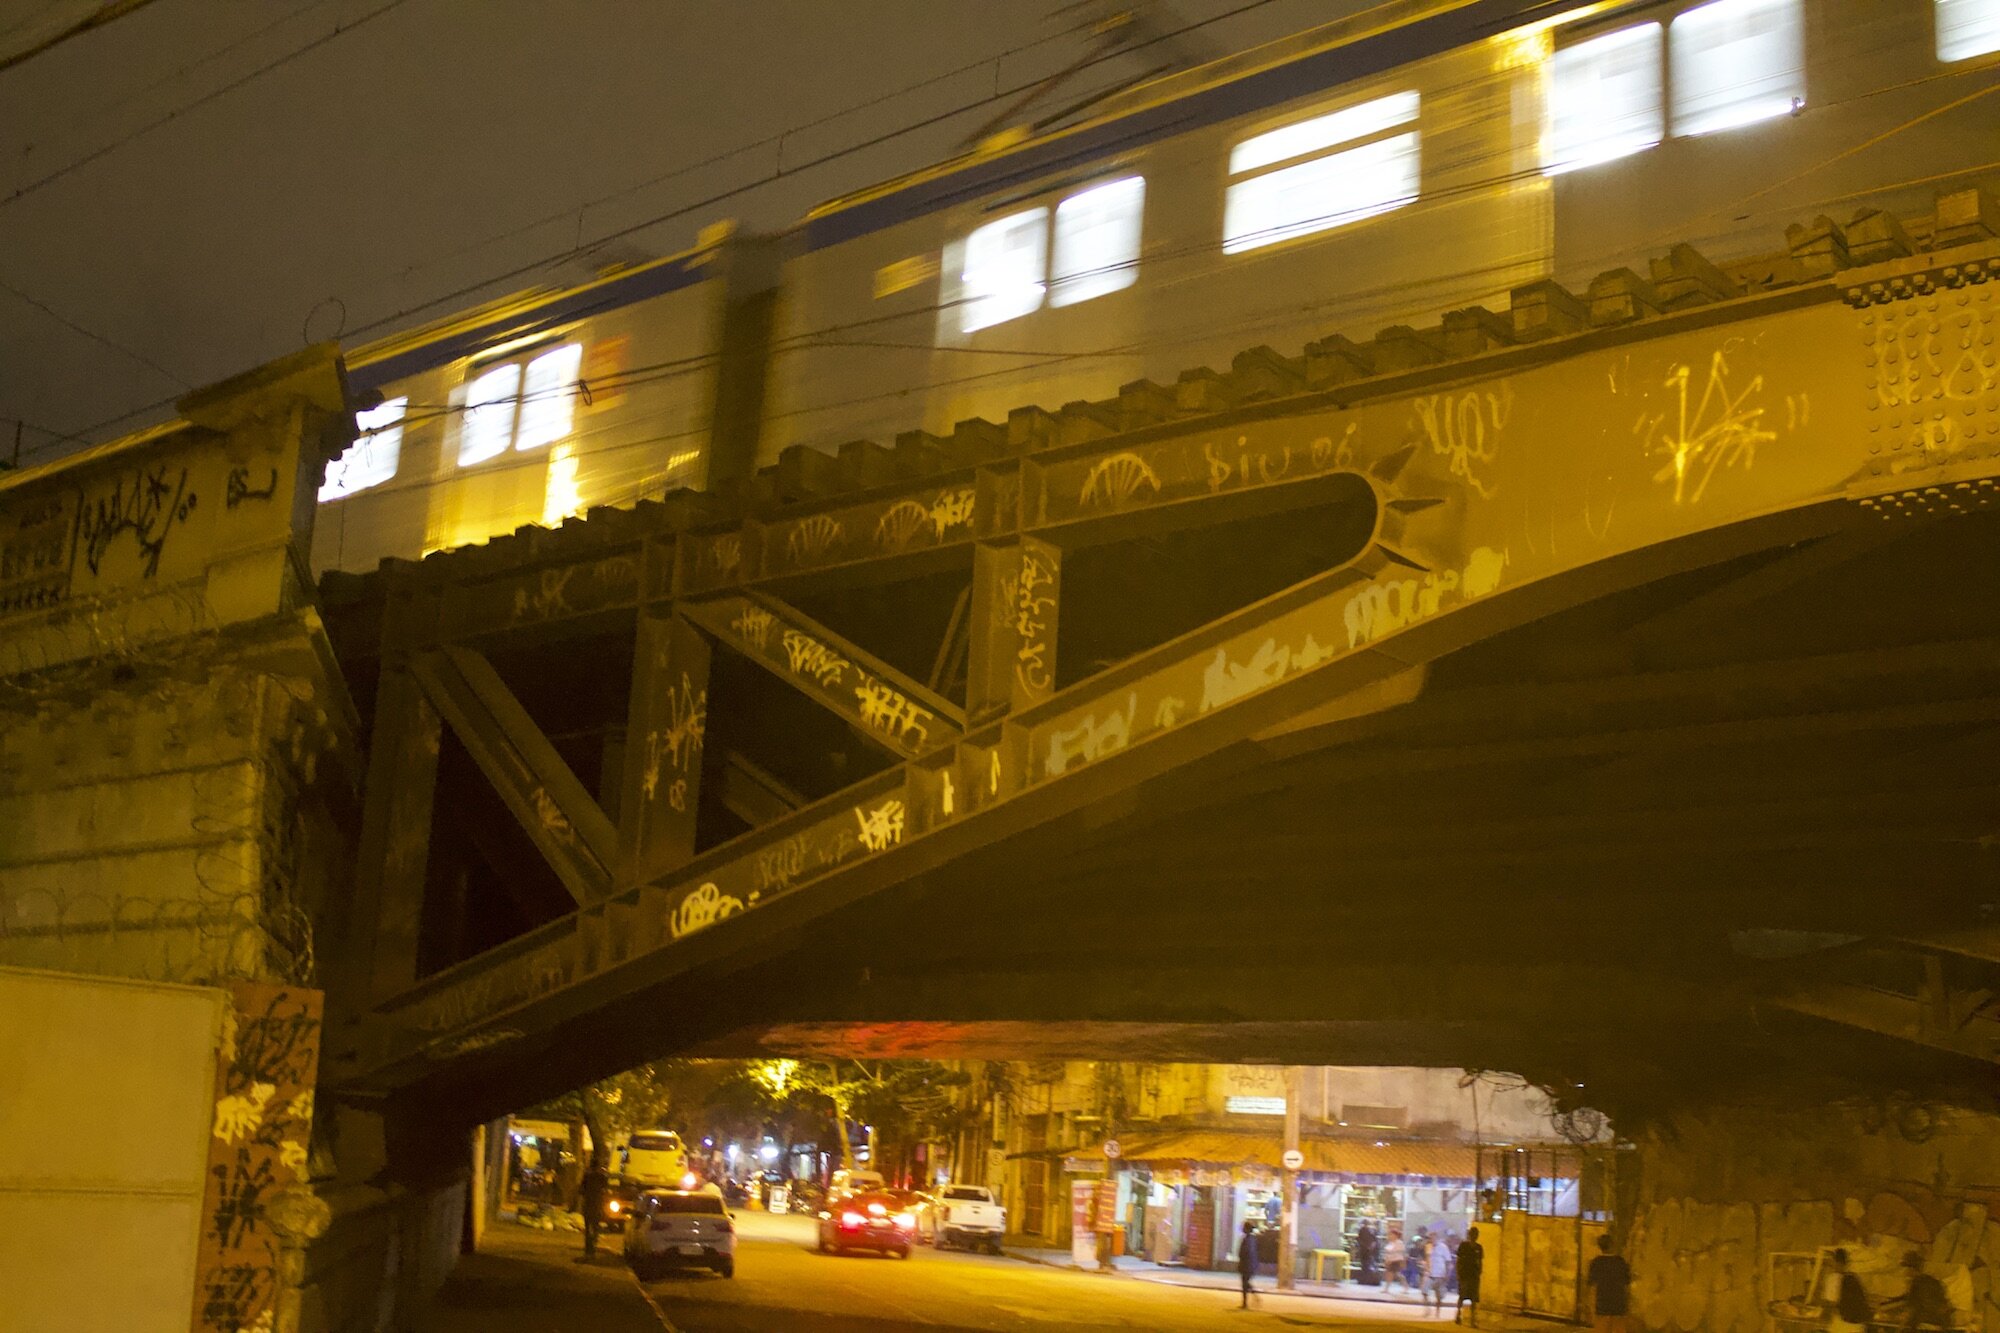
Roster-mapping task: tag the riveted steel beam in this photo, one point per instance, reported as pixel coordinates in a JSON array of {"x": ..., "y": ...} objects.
[
  {"x": 544, "y": 796},
  {"x": 881, "y": 703},
  {"x": 1506, "y": 487}
]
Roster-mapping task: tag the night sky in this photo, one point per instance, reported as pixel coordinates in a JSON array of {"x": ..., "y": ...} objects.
[{"x": 203, "y": 185}]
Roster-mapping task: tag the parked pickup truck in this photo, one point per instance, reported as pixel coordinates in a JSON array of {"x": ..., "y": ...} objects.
[{"x": 967, "y": 1216}]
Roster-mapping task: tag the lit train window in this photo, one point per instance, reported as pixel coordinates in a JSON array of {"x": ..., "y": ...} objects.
[
  {"x": 1967, "y": 28},
  {"x": 1001, "y": 274},
  {"x": 491, "y": 402},
  {"x": 522, "y": 404},
  {"x": 1736, "y": 62},
  {"x": 1004, "y": 270},
  {"x": 1097, "y": 241},
  {"x": 1604, "y": 98},
  {"x": 1357, "y": 163},
  {"x": 548, "y": 397},
  {"x": 372, "y": 458}
]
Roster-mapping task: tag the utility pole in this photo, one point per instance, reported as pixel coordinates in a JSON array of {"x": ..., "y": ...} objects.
[{"x": 1288, "y": 1208}]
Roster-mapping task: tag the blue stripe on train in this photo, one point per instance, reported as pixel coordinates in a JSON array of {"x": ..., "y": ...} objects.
[{"x": 1254, "y": 92}]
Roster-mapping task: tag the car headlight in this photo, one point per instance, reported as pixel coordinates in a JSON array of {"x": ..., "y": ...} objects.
[{"x": 614, "y": 1205}]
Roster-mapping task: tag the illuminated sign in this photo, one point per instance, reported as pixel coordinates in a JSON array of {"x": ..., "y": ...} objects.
[{"x": 1254, "y": 1105}]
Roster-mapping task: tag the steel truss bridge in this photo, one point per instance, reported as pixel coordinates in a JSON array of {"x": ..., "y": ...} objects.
[{"x": 1609, "y": 684}]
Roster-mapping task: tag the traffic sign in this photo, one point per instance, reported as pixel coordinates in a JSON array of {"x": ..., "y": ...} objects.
[
  {"x": 1111, "y": 1149},
  {"x": 1294, "y": 1159}
]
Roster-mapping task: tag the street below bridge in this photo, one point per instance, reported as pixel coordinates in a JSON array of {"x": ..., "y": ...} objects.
[{"x": 527, "y": 1281}]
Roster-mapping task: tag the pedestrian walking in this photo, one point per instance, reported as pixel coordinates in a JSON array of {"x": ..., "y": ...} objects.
[
  {"x": 1925, "y": 1304},
  {"x": 1395, "y": 1260},
  {"x": 1849, "y": 1300},
  {"x": 1437, "y": 1270},
  {"x": 1610, "y": 1280},
  {"x": 590, "y": 1202},
  {"x": 1471, "y": 1260},
  {"x": 1420, "y": 1249},
  {"x": 1246, "y": 1259}
]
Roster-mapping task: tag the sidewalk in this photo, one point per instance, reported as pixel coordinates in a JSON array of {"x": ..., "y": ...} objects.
[{"x": 1348, "y": 1299}]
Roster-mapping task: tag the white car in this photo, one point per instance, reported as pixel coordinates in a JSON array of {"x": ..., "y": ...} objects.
[
  {"x": 680, "y": 1228},
  {"x": 967, "y": 1216}
]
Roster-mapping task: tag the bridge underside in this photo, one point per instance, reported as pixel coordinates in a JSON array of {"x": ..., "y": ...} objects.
[
  {"x": 1659, "y": 844},
  {"x": 1608, "y": 690}
]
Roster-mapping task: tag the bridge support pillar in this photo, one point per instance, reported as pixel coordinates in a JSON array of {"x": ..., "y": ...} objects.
[
  {"x": 387, "y": 916},
  {"x": 1016, "y": 600},
  {"x": 663, "y": 748}
]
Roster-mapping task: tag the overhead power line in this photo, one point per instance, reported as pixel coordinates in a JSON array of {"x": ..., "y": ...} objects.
[{"x": 109, "y": 11}]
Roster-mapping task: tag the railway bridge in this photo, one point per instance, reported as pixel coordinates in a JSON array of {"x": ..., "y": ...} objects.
[
  {"x": 1619, "y": 662},
  {"x": 1606, "y": 686}
]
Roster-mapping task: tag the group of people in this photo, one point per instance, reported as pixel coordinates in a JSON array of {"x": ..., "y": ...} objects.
[{"x": 1427, "y": 1264}]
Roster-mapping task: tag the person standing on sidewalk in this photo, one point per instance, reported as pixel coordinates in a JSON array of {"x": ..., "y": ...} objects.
[
  {"x": 1437, "y": 1270},
  {"x": 590, "y": 1197},
  {"x": 1471, "y": 1259},
  {"x": 1246, "y": 1259},
  {"x": 1611, "y": 1288}
]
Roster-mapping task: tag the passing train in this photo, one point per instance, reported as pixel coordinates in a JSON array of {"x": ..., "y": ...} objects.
[{"x": 1421, "y": 157}]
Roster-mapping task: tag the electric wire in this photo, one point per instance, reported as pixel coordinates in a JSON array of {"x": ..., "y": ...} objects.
[
  {"x": 1150, "y": 257},
  {"x": 339, "y": 30}
]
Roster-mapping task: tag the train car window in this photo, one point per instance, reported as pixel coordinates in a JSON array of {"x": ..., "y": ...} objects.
[
  {"x": 522, "y": 404},
  {"x": 372, "y": 458},
  {"x": 491, "y": 403},
  {"x": 1001, "y": 275},
  {"x": 548, "y": 397},
  {"x": 1605, "y": 99},
  {"x": 1967, "y": 28},
  {"x": 1736, "y": 62},
  {"x": 1097, "y": 241},
  {"x": 1356, "y": 163}
]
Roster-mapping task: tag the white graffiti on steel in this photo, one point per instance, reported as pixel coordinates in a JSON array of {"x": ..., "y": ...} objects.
[
  {"x": 679, "y": 742},
  {"x": 952, "y": 508},
  {"x": 1464, "y": 430},
  {"x": 753, "y": 626},
  {"x": 1382, "y": 608},
  {"x": 809, "y": 657},
  {"x": 1720, "y": 430},
  {"x": 1117, "y": 479},
  {"x": 702, "y": 909},
  {"x": 1091, "y": 739},
  {"x": 1032, "y": 607},
  {"x": 888, "y": 710},
  {"x": 881, "y": 827},
  {"x": 1221, "y": 472},
  {"x": 811, "y": 538}
]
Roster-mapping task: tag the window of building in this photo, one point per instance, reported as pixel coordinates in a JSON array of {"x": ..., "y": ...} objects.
[
  {"x": 1097, "y": 241},
  {"x": 1604, "y": 98},
  {"x": 521, "y": 404},
  {"x": 1967, "y": 28},
  {"x": 1004, "y": 269},
  {"x": 1322, "y": 173},
  {"x": 372, "y": 458},
  {"x": 1736, "y": 62}
]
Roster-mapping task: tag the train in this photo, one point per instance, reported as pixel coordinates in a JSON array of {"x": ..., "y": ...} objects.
[{"x": 1420, "y": 157}]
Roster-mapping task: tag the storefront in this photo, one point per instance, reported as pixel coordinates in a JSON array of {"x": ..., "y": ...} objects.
[{"x": 1183, "y": 1198}]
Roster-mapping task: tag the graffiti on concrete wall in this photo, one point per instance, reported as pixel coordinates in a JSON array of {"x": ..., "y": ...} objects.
[
  {"x": 265, "y": 1073},
  {"x": 1704, "y": 1266},
  {"x": 146, "y": 503}
]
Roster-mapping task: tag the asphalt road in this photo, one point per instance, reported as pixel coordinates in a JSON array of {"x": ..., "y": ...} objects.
[{"x": 532, "y": 1282}]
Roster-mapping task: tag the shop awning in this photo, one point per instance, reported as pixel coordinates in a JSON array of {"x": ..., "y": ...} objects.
[{"x": 1355, "y": 1157}]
